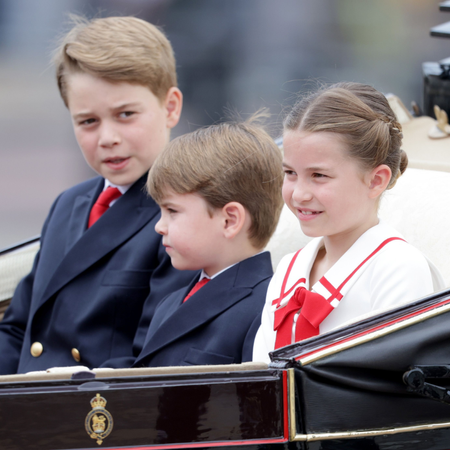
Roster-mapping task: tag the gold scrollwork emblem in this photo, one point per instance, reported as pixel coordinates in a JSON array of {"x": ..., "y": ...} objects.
[{"x": 99, "y": 422}]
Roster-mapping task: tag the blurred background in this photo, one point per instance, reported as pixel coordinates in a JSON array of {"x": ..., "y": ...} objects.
[{"x": 235, "y": 55}]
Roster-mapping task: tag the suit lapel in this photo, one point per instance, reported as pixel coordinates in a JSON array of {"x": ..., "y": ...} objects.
[
  {"x": 80, "y": 213},
  {"x": 211, "y": 300},
  {"x": 131, "y": 213},
  {"x": 171, "y": 307}
]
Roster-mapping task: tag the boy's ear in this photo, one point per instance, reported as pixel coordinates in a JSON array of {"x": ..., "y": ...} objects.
[
  {"x": 235, "y": 217},
  {"x": 379, "y": 179},
  {"x": 173, "y": 105}
]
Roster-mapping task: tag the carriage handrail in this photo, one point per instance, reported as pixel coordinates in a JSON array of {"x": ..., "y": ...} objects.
[{"x": 20, "y": 245}]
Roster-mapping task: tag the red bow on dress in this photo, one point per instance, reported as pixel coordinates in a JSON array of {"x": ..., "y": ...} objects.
[{"x": 313, "y": 310}]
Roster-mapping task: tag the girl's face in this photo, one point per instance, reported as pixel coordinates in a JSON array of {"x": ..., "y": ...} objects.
[{"x": 325, "y": 188}]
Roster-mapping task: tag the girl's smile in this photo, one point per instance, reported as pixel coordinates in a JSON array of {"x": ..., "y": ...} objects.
[{"x": 306, "y": 214}]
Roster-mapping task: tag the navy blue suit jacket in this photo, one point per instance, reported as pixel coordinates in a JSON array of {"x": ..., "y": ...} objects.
[
  {"x": 217, "y": 325},
  {"x": 87, "y": 287}
]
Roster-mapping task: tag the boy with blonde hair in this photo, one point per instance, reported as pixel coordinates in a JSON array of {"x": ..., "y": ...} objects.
[
  {"x": 100, "y": 257},
  {"x": 219, "y": 189}
]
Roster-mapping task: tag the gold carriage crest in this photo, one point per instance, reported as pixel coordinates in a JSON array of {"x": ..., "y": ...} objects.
[{"x": 99, "y": 422}]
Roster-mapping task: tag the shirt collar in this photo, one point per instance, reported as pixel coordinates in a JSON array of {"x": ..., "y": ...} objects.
[
  {"x": 122, "y": 189},
  {"x": 205, "y": 275}
]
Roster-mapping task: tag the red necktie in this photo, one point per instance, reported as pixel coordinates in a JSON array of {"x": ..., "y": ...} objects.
[
  {"x": 196, "y": 287},
  {"x": 102, "y": 204}
]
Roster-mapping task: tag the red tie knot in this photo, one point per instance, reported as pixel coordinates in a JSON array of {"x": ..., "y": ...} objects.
[
  {"x": 107, "y": 196},
  {"x": 102, "y": 204}
]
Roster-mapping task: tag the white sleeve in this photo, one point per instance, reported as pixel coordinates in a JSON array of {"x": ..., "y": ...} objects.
[{"x": 400, "y": 275}]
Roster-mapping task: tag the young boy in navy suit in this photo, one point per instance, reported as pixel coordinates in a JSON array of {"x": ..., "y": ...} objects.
[
  {"x": 219, "y": 189},
  {"x": 100, "y": 257}
]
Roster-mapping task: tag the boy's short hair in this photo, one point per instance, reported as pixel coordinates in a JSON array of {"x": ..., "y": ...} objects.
[
  {"x": 229, "y": 162},
  {"x": 117, "y": 49}
]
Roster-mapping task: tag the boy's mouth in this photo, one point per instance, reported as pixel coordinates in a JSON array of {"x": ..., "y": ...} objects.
[
  {"x": 168, "y": 248},
  {"x": 116, "y": 163}
]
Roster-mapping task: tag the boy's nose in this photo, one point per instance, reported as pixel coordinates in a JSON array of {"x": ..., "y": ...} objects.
[
  {"x": 160, "y": 228},
  {"x": 108, "y": 136}
]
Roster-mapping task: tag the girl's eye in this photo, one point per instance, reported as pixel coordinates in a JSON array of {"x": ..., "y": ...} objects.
[
  {"x": 318, "y": 175},
  {"x": 289, "y": 172}
]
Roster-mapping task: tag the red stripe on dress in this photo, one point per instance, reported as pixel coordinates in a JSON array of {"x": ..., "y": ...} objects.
[
  {"x": 331, "y": 289},
  {"x": 283, "y": 286},
  {"x": 335, "y": 293},
  {"x": 278, "y": 300},
  {"x": 370, "y": 256}
]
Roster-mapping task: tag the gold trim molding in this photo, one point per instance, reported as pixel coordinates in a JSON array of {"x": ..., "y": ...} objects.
[
  {"x": 374, "y": 335},
  {"x": 291, "y": 410},
  {"x": 368, "y": 433}
]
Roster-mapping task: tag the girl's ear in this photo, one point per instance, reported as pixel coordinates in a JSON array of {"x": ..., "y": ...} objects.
[
  {"x": 234, "y": 216},
  {"x": 173, "y": 105},
  {"x": 379, "y": 179}
]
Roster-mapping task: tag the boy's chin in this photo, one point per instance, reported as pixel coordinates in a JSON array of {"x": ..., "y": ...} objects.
[
  {"x": 183, "y": 265},
  {"x": 125, "y": 179}
]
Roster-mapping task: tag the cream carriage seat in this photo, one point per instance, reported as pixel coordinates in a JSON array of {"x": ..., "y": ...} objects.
[
  {"x": 14, "y": 265},
  {"x": 418, "y": 206}
]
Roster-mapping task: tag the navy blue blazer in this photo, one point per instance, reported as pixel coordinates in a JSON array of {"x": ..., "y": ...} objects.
[
  {"x": 84, "y": 296},
  {"x": 217, "y": 325}
]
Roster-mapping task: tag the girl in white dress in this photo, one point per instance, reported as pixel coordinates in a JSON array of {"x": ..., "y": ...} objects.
[{"x": 341, "y": 152}]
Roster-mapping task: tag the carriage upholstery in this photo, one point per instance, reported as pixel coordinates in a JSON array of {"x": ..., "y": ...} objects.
[{"x": 14, "y": 265}]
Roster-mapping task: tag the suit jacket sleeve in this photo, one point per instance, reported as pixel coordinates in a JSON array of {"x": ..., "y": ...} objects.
[{"x": 13, "y": 325}]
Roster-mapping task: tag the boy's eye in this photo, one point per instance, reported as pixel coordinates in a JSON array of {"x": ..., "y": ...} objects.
[
  {"x": 318, "y": 175},
  {"x": 87, "y": 122},
  {"x": 125, "y": 114},
  {"x": 171, "y": 211}
]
